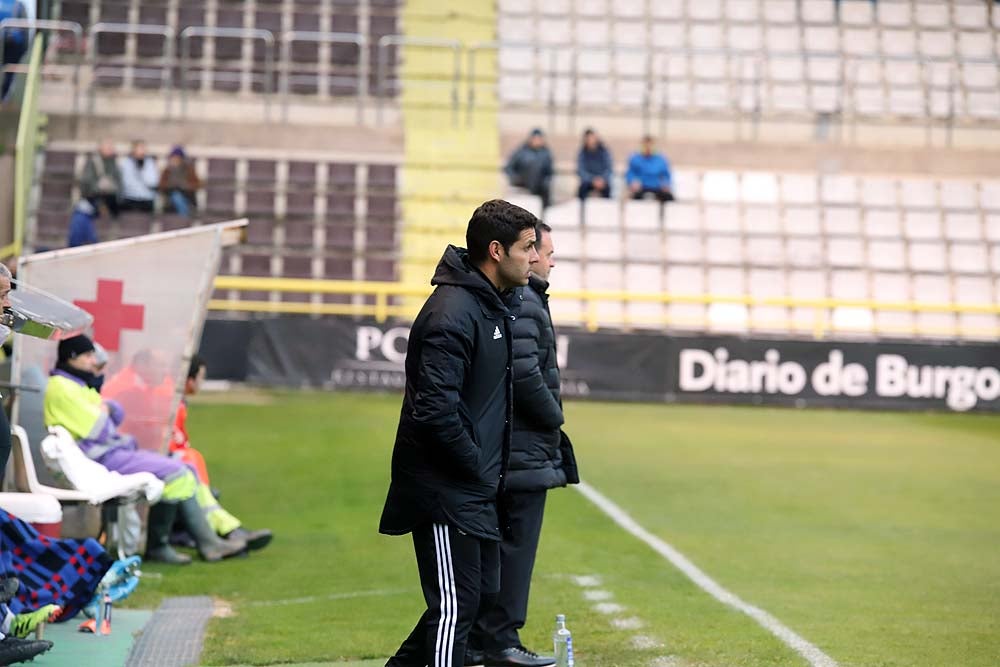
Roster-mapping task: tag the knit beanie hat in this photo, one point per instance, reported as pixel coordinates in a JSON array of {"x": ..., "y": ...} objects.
[{"x": 74, "y": 347}]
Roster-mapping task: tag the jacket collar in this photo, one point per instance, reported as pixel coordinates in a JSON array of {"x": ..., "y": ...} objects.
[{"x": 456, "y": 269}]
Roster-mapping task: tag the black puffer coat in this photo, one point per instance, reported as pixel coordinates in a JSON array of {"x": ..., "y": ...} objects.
[
  {"x": 535, "y": 458},
  {"x": 453, "y": 440}
]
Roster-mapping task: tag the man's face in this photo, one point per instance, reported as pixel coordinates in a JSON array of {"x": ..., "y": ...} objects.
[
  {"x": 543, "y": 267},
  {"x": 647, "y": 147},
  {"x": 139, "y": 150},
  {"x": 192, "y": 385},
  {"x": 107, "y": 149},
  {"x": 4, "y": 292},
  {"x": 517, "y": 263},
  {"x": 86, "y": 362},
  {"x": 537, "y": 141}
]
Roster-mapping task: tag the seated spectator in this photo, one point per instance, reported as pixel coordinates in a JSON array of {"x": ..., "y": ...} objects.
[
  {"x": 649, "y": 173},
  {"x": 101, "y": 182},
  {"x": 71, "y": 402},
  {"x": 179, "y": 183},
  {"x": 594, "y": 166},
  {"x": 531, "y": 167},
  {"x": 140, "y": 178},
  {"x": 224, "y": 523},
  {"x": 82, "y": 224}
]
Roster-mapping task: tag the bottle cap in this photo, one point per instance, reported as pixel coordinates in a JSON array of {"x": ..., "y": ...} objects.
[{"x": 560, "y": 618}]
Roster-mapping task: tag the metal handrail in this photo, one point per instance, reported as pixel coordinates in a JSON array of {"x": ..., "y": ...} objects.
[
  {"x": 167, "y": 59},
  {"x": 71, "y": 27},
  {"x": 357, "y": 39},
  {"x": 234, "y": 33},
  {"x": 453, "y": 45}
]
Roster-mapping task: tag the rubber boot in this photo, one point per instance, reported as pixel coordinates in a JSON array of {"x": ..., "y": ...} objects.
[
  {"x": 211, "y": 547},
  {"x": 161, "y": 521}
]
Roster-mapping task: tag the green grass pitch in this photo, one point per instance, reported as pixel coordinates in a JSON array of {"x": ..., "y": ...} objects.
[{"x": 875, "y": 536}]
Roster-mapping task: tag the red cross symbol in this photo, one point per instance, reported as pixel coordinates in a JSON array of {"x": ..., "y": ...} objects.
[{"x": 111, "y": 316}]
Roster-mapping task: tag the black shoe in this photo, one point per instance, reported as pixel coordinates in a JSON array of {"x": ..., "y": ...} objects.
[
  {"x": 517, "y": 656},
  {"x": 14, "y": 650},
  {"x": 182, "y": 538},
  {"x": 474, "y": 657},
  {"x": 8, "y": 588},
  {"x": 255, "y": 539}
]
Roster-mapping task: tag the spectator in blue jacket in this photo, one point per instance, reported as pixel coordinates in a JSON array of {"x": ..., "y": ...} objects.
[
  {"x": 649, "y": 173},
  {"x": 83, "y": 224},
  {"x": 594, "y": 166}
]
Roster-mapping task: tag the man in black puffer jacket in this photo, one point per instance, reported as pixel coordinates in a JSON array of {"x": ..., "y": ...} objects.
[
  {"x": 453, "y": 440},
  {"x": 540, "y": 459}
]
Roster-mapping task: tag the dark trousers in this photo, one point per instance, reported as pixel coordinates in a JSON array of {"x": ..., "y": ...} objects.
[
  {"x": 108, "y": 202},
  {"x": 143, "y": 205},
  {"x": 458, "y": 574},
  {"x": 588, "y": 187},
  {"x": 4, "y": 441},
  {"x": 497, "y": 628},
  {"x": 662, "y": 195}
]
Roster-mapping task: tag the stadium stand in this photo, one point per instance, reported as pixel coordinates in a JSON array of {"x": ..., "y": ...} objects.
[{"x": 893, "y": 59}]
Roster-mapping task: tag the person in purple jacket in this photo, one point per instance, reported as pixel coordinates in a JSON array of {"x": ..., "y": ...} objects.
[{"x": 649, "y": 173}]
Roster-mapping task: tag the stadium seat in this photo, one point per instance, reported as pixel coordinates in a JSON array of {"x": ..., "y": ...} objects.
[
  {"x": 720, "y": 186},
  {"x": 968, "y": 258},
  {"x": 566, "y": 277},
  {"x": 564, "y": 215},
  {"x": 642, "y": 214},
  {"x": 606, "y": 276},
  {"x": 721, "y": 218},
  {"x": 601, "y": 213},
  {"x": 260, "y": 231},
  {"x": 882, "y": 223},
  {"x": 761, "y": 219},
  {"x": 927, "y": 257},
  {"x": 934, "y": 289},
  {"x": 568, "y": 243},
  {"x": 592, "y": 8},
  {"x": 806, "y": 285},
  {"x": 602, "y": 245},
  {"x": 765, "y": 251},
  {"x": 989, "y": 193},
  {"x": 961, "y": 226},
  {"x": 530, "y": 203},
  {"x": 644, "y": 278},
  {"x": 932, "y": 14},
  {"x": 802, "y": 221},
  {"x": 992, "y": 227},
  {"x": 918, "y": 193},
  {"x": 804, "y": 252},
  {"x": 798, "y": 189},
  {"x": 643, "y": 246},
  {"x": 680, "y": 217},
  {"x": 685, "y": 248},
  {"x": 974, "y": 290},
  {"x": 842, "y": 221},
  {"x": 299, "y": 233},
  {"x": 887, "y": 255},
  {"x": 723, "y": 249},
  {"x": 892, "y": 288},
  {"x": 845, "y": 252},
  {"x": 338, "y": 236}
]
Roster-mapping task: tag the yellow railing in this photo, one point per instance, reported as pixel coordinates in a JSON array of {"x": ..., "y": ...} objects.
[
  {"x": 373, "y": 299},
  {"x": 26, "y": 145}
]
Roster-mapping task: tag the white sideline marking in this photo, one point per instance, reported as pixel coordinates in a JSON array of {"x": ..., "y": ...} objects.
[
  {"x": 644, "y": 643},
  {"x": 631, "y": 623},
  {"x": 608, "y": 608},
  {"x": 319, "y": 598},
  {"x": 597, "y": 596},
  {"x": 800, "y": 645},
  {"x": 587, "y": 580}
]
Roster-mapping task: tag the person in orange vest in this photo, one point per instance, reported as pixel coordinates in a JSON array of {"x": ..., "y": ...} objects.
[{"x": 224, "y": 523}]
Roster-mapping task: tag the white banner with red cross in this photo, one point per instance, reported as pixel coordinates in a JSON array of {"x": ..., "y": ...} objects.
[{"x": 148, "y": 295}]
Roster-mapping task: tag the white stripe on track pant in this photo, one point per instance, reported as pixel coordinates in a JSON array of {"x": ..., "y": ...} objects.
[{"x": 456, "y": 572}]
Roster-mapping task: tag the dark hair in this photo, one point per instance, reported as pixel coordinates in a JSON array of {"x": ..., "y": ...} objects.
[
  {"x": 495, "y": 220},
  {"x": 197, "y": 363},
  {"x": 539, "y": 228}
]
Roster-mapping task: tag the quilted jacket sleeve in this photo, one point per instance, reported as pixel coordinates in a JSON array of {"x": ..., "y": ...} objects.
[{"x": 532, "y": 398}]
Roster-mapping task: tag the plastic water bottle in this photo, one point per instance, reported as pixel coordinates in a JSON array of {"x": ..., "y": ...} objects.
[{"x": 562, "y": 641}]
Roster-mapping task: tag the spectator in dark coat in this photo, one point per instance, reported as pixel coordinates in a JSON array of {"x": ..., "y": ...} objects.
[
  {"x": 594, "y": 166},
  {"x": 179, "y": 182},
  {"x": 531, "y": 167},
  {"x": 541, "y": 458},
  {"x": 101, "y": 182}
]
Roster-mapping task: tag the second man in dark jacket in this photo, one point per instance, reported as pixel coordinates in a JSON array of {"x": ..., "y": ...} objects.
[{"x": 540, "y": 459}]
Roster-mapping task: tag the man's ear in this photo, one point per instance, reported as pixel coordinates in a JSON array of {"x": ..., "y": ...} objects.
[{"x": 496, "y": 250}]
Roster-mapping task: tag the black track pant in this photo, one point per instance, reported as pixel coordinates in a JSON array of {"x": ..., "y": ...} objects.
[
  {"x": 458, "y": 574},
  {"x": 497, "y": 628}
]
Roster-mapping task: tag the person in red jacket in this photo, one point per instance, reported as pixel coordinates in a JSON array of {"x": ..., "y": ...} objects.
[{"x": 224, "y": 523}]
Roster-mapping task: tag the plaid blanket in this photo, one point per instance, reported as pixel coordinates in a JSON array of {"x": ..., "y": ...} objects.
[{"x": 51, "y": 571}]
